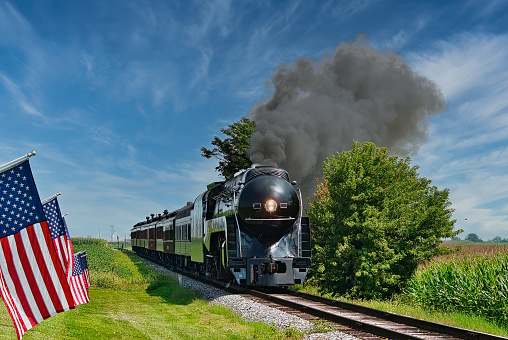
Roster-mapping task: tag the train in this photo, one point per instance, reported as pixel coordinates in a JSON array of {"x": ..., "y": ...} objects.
[{"x": 249, "y": 230}]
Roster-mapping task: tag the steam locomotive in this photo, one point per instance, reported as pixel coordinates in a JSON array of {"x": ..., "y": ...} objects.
[{"x": 250, "y": 230}]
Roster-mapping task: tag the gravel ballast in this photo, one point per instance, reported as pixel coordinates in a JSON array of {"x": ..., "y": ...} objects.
[{"x": 251, "y": 310}]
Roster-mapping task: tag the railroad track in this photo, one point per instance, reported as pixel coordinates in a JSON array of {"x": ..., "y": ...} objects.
[
  {"x": 359, "y": 321},
  {"x": 367, "y": 320}
]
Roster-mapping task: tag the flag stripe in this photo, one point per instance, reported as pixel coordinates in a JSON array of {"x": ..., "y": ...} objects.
[
  {"x": 63, "y": 300},
  {"x": 14, "y": 284},
  {"x": 11, "y": 307},
  {"x": 47, "y": 272},
  {"x": 26, "y": 256},
  {"x": 58, "y": 247},
  {"x": 39, "y": 268}
]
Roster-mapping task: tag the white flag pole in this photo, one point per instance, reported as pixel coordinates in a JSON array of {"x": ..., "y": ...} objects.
[
  {"x": 46, "y": 200},
  {"x": 15, "y": 162}
]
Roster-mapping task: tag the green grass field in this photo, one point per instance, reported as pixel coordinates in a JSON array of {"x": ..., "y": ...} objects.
[{"x": 129, "y": 300}]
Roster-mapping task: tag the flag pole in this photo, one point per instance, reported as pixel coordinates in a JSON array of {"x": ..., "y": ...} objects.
[
  {"x": 15, "y": 162},
  {"x": 46, "y": 200}
]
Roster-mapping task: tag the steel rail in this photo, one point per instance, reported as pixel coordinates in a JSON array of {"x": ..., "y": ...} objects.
[{"x": 398, "y": 318}]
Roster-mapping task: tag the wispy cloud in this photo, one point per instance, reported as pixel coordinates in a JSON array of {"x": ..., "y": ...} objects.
[
  {"x": 19, "y": 98},
  {"x": 466, "y": 62},
  {"x": 467, "y": 144}
]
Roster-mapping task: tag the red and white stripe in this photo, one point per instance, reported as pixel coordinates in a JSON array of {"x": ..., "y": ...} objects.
[
  {"x": 32, "y": 281},
  {"x": 63, "y": 250},
  {"x": 79, "y": 288},
  {"x": 87, "y": 277}
]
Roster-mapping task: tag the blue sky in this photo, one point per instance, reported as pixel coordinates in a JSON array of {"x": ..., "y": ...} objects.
[{"x": 118, "y": 97}]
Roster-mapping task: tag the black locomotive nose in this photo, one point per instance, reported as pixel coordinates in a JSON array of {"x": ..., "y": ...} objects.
[{"x": 268, "y": 205}]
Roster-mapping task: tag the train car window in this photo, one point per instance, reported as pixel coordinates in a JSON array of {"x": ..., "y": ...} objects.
[
  {"x": 160, "y": 233},
  {"x": 151, "y": 233},
  {"x": 188, "y": 232}
]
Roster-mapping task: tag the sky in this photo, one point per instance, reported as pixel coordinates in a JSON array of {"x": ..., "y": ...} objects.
[{"x": 117, "y": 97}]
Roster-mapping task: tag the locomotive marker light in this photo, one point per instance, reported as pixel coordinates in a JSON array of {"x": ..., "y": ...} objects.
[{"x": 271, "y": 205}]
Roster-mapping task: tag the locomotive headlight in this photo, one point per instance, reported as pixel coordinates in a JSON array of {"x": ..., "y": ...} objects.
[{"x": 271, "y": 205}]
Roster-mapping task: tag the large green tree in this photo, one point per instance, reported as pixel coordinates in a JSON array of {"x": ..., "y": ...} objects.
[
  {"x": 373, "y": 220},
  {"x": 232, "y": 151}
]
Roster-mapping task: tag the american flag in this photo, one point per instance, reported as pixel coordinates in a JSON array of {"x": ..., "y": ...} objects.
[
  {"x": 63, "y": 246},
  {"x": 33, "y": 283},
  {"x": 78, "y": 281},
  {"x": 59, "y": 232},
  {"x": 84, "y": 265}
]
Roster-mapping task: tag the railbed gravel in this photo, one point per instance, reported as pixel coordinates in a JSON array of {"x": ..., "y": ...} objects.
[{"x": 252, "y": 310}]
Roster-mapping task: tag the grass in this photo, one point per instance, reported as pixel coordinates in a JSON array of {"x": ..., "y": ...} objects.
[{"x": 130, "y": 300}]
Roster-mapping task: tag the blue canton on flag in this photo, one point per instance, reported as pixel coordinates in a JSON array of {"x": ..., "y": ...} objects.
[
  {"x": 77, "y": 270},
  {"x": 54, "y": 218},
  {"x": 18, "y": 206},
  {"x": 84, "y": 266},
  {"x": 59, "y": 234}
]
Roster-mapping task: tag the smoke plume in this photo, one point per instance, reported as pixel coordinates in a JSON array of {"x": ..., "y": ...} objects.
[{"x": 319, "y": 108}]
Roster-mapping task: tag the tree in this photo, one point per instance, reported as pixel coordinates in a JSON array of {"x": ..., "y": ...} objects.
[
  {"x": 497, "y": 239},
  {"x": 232, "y": 151},
  {"x": 373, "y": 220},
  {"x": 473, "y": 238}
]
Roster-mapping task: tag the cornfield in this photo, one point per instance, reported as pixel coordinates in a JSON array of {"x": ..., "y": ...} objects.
[
  {"x": 470, "y": 250},
  {"x": 472, "y": 280}
]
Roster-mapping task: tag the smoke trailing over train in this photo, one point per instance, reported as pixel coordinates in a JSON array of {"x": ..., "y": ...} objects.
[{"x": 320, "y": 107}]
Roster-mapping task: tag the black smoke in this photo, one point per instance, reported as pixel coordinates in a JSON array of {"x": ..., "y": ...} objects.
[{"x": 320, "y": 107}]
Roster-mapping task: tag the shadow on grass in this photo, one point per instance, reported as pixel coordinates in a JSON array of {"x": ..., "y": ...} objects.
[{"x": 161, "y": 284}]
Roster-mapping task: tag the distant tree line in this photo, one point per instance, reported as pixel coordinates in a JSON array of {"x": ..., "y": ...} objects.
[{"x": 475, "y": 238}]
